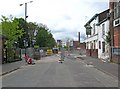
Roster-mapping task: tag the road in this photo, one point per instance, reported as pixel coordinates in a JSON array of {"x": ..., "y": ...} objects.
[{"x": 49, "y": 73}]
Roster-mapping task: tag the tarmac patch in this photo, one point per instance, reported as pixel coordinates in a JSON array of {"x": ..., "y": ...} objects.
[{"x": 88, "y": 65}]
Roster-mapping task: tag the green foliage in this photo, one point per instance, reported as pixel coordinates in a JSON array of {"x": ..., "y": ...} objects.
[
  {"x": 44, "y": 38},
  {"x": 17, "y": 29},
  {"x": 0, "y": 28},
  {"x": 10, "y": 30},
  {"x": 22, "y": 25},
  {"x": 32, "y": 27},
  {"x": 108, "y": 38}
]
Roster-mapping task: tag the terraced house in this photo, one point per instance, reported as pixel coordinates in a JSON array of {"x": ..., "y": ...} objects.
[{"x": 96, "y": 30}]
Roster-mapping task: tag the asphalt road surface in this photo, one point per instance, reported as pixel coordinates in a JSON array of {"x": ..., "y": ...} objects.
[{"x": 49, "y": 73}]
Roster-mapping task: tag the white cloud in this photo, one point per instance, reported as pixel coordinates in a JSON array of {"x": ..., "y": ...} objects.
[{"x": 64, "y": 18}]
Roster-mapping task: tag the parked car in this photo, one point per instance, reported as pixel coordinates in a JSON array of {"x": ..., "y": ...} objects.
[{"x": 55, "y": 50}]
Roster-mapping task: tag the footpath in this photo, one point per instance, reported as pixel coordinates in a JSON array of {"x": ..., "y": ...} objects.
[
  {"x": 9, "y": 67},
  {"x": 106, "y": 67}
]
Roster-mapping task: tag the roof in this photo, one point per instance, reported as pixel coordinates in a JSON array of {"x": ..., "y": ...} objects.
[
  {"x": 91, "y": 20},
  {"x": 103, "y": 16},
  {"x": 101, "y": 20}
]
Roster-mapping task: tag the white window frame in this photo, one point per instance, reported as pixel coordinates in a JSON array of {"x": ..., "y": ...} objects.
[
  {"x": 93, "y": 28},
  {"x": 103, "y": 30},
  {"x": 116, "y": 9}
]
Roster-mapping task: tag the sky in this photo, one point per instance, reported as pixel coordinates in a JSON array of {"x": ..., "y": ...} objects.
[{"x": 64, "y": 18}]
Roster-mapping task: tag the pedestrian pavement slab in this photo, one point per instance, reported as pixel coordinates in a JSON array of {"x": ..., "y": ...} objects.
[
  {"x": 107, "y": 67},
  {"x": 9, "y": 67}
]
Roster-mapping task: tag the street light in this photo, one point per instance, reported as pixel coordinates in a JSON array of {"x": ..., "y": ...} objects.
[
  {"x": 25, "y": 20},
  {"x": 26, "y": 8}
]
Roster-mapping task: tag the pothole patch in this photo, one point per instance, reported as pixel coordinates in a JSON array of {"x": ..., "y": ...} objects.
[{"x": 88, "y": 65}]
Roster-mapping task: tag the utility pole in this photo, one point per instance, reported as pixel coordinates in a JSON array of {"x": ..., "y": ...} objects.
[{"x": 26, "y": 39}]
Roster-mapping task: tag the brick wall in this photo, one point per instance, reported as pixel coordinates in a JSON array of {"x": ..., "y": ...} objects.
[
  {"x": 92, "y": 52},
  {"x": 76, "y": 44},
  {"x": 82, "y": 45},
  {"x": 115, "y": 33},
  {"x": 117, "y": 36},
  {"x": 116, "y": 44}
]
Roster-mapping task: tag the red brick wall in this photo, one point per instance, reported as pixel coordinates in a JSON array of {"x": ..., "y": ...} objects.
[
  {"x": 117, "y": 36},
  {"x": 116, "y": 58},
  {"x": 82, "y": 45},
  {"x": 115, "y": 33},
  {"x": 76, "y": 44},
  {"x": 92, "y": 52}
]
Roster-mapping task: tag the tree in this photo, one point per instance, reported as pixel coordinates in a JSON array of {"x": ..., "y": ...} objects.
[
  {"x": 108, "y": 43},
  {"x": 32, "y": 27},
  {"x": 44, "y": 37},
  {"x": 108, "y": 38},
  {"x": 0, "y": 28},
  {"x": 10, "y": 30},
  {"x": 22, "y": 24}
]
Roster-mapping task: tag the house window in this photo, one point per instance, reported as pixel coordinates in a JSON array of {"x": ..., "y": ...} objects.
[
  {"x": 103, "y": 29},
  {"x": 93, "y": 28},
  {"x": 103, "y": 47},
  {"x": 91, "y": 45},
  {"x": 94, "y": 44},
  {"x": 87, "y": 45},
  {"x": 99, "y": 44},
  {"x": 116, "y": 9}
]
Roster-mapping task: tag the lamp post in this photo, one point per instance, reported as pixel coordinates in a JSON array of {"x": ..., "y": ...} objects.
[
  {"x": 26, "y": 8},
  {"x": 25, "y": 40}
]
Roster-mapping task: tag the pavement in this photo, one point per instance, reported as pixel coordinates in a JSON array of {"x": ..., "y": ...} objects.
[
  {"x": 106, "y": 67},
  {"x": 9, "y": 67}
]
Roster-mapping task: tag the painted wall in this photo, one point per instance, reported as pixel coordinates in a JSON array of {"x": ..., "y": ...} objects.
[
  {"x": 101, "y": 37},
  {"x": 92, "y": 40}
]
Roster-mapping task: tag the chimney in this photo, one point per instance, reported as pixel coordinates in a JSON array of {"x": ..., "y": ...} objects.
[{"x": 79, "y": 37}]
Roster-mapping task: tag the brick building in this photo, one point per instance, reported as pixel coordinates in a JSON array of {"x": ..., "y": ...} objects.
[
  {"x": 115, "y": 29},
  {"x": 78, "y": 44}
]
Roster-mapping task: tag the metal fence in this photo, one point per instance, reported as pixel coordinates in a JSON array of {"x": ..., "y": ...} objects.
[{"x": 11, "y": 55}]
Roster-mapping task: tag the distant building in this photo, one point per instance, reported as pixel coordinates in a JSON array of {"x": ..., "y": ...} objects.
[
  {"x": 115, "y": 29},
  {"x": 63, "y": 44},
  {"x": 78, "y": 44},
  {"x": 59, "y": 43},
  {"x": 96, "y": 29}
]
